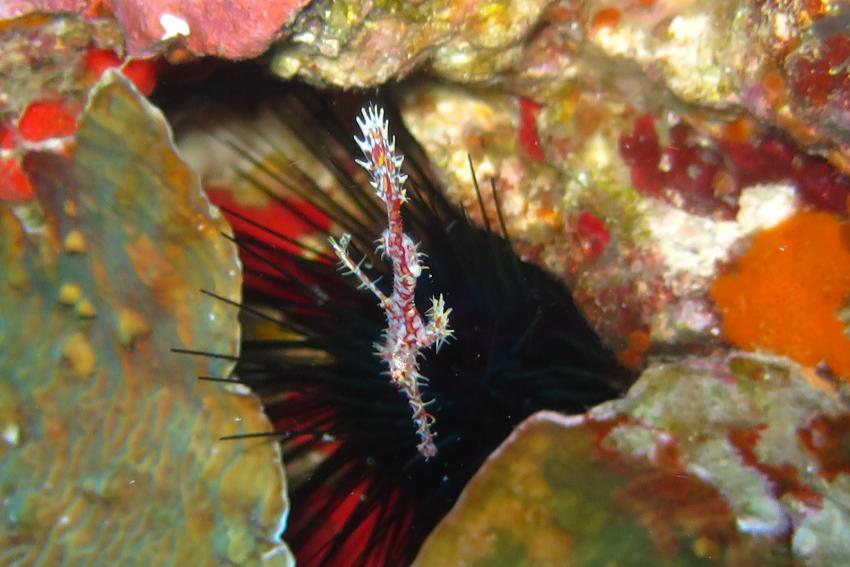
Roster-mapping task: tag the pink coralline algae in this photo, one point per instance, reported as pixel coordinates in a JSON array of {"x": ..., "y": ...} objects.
[
  {"x": 234, "y": 30},
  {"x": 529, "y": 137},
  {"x": 681, "y": 170},
  {"x": 592, "y": 234},
  {"x": 222, "y": 28},
  {"x": 815, "y": 80},
  {"x": 772, "y": 159},
  {"x": 827, "y": 440},
  {"x": 705, "y": 176}
]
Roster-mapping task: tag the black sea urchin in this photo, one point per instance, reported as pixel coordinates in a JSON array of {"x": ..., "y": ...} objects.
[{"x": 368, "y": 497}]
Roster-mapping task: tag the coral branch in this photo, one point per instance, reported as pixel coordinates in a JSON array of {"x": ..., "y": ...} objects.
[{"x": 406, "y": 334}]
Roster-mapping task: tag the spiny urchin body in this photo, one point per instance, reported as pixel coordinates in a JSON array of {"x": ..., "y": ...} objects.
[{"x": 368, "y": 497}]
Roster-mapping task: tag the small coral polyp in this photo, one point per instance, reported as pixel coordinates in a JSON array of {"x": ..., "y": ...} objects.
[{"x": 788, "y": 289}]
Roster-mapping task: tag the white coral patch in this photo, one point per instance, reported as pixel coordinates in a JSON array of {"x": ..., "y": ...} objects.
[
  {"x": 173, "y": 26},
  {"x": 764, "y": 206},
  {"x": 690, "y": 245}
]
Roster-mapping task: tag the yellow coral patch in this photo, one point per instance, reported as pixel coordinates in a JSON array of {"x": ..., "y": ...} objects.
[
  {"x": 79, "y": 354},
  {"x": 69, "y": 293},
  {"x": 131, "y": 326},
  {"x": 75, "y": 242}
]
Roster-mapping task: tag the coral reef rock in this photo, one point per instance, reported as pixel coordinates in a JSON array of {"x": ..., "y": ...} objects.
[
  {"x": 735, "y": 458},
  {"x": 222, "y": 28},
  {"x": 110, "y": 449},
  {"x": 349, "y": 43}
]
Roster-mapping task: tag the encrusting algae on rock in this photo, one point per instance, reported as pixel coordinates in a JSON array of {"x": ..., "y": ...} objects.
[
  {"x": 788, "y": 289},
  {"x": 109, "y": 445}
]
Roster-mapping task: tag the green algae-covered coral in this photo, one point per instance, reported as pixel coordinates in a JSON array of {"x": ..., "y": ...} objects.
[
  {"x": 110, "y": 450},
  {"x": 731, "y": 459}
]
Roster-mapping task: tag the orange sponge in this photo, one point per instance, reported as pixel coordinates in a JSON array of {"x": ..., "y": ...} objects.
[{"x": 787, "y": 290}]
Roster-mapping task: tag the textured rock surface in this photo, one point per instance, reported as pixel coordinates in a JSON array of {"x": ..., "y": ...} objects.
[
  {"x": 47, "y": 66},
  {"x": 223, "y": 28},
  {"x": 696, "y": 49},
  {"x": 42, "y": 57},
  {"x": 350, "y": 43},
  {"x": 599, "y": 194},
  {"x": 109, "y": 446},
  {"x": 778, "y": 60},
  {"x": 728, "y": 460},
  {"x": 634, "y": 148}
]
